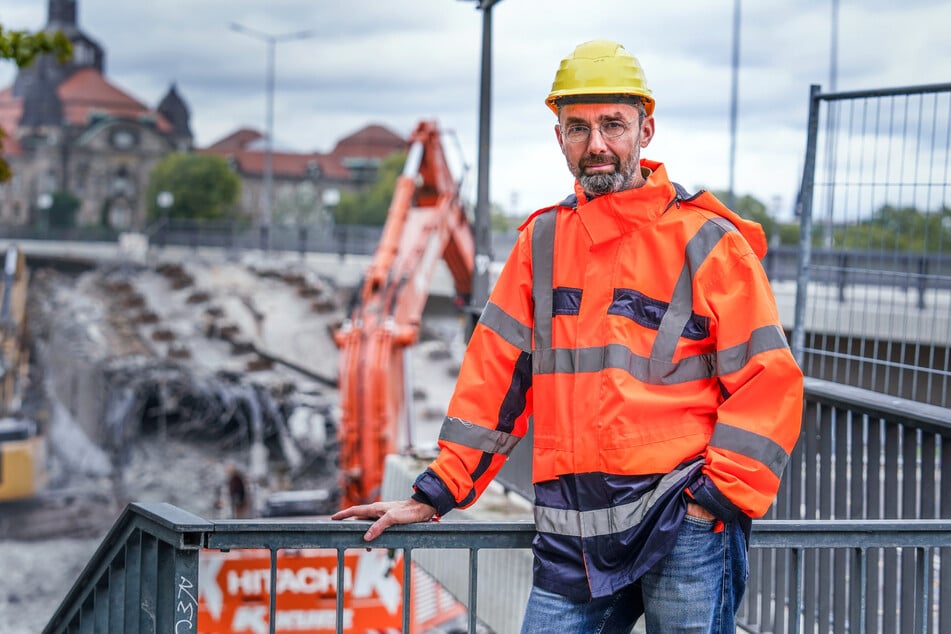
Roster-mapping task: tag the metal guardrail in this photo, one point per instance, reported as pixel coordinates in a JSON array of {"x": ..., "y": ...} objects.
[{"x": 144, "y": 576}]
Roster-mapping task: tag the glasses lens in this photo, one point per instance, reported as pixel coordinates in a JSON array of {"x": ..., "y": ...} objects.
[
  {"x": 577, "y": 133},
  {"x": 613, "y": 129}
]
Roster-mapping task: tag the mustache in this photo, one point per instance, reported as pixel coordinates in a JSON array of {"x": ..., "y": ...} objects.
[{"x": 599, "y": 159}]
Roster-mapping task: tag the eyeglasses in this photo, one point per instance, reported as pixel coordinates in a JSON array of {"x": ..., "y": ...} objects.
[{"x": 578, "y": 132}]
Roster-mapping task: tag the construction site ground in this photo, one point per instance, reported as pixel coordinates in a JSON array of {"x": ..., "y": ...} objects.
[{"x": 151, "y": 378}]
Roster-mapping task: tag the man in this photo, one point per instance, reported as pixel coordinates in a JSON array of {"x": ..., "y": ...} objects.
[{"x": 634, "y": 327}]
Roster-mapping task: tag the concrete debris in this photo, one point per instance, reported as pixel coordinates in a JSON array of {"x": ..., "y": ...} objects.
[{"x": 158, "y": 382}]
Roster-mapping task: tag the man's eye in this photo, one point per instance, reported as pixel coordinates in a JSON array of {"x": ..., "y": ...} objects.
[
  {"x": 613, "y": 127},
  {"x": 578, "y": 129}
]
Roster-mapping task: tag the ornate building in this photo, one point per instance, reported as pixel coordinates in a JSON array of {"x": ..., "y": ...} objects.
[{"x": 69, "y": 129}]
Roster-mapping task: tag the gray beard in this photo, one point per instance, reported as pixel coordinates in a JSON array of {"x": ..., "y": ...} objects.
[
  {"x": 599, "y": 184},
  {"x": 619, "y": 180}
]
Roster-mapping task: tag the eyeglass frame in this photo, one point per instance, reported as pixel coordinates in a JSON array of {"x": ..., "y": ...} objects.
[{"x": 626, "y": 125}]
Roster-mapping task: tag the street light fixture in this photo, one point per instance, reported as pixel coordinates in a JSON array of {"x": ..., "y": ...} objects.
[{"x": 271, "y": 41}]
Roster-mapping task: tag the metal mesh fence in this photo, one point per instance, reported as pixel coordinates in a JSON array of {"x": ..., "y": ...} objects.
[{"x": 873, "y": 303}]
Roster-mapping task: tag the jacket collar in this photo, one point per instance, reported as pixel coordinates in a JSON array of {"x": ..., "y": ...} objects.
[{"x": 610, "y": 216}]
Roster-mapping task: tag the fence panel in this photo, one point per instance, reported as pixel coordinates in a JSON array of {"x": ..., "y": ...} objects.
[{"x": 873, "y": 302}]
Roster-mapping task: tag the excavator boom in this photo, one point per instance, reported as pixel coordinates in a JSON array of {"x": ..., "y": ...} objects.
[{"x": 425, "y": 223}]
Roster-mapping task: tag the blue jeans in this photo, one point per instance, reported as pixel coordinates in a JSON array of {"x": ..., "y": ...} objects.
[{"x": 697, "y": 588}]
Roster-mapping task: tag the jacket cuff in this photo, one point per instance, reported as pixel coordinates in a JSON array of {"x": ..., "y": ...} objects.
[
  {"x": 429, "y": 486},
  {"x": 709, "y": 497}
]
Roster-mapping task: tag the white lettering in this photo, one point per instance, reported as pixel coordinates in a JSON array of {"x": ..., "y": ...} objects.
[
  {"x": 306, "y": 580},
  {"x": 254, "y": 619},
  {"x": 249, "y": 582},
  {"x": 307, "y": 620},
  {"x": 250, "y": 619}
]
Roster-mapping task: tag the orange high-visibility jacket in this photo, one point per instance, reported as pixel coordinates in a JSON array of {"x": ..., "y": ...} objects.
[{"x": 638, "y": 335}]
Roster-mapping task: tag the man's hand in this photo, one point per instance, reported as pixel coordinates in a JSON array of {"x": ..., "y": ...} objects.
[
  {"x": 387, "y": 514},
  {"x": 695, "y": 510}
]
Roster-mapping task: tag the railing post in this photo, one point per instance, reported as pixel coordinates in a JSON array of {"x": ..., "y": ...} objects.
[
  {"x": 843, "y": 275},
  {"x": 922, "y": 281},
  {"x": 302, "y": 240},
  {"x": 805, "y": 229}
]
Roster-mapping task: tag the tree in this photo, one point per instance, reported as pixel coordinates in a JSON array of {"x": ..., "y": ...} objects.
[
  {"x": 62, "y": 211},
  {"x": 751, "y": 208},
  {"x": 22, "y": 48},
  {"x": 370, "y": 207},
  {"x": 899, "y": 229},
  {"x": 203, "y": 187}
]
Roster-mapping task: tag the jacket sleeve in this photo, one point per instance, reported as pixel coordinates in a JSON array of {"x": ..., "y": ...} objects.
[
  {"x": 759, "y": 418},
  {"x": 491, "y": 403}
]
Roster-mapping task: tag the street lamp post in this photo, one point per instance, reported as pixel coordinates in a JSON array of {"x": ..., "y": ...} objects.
[
  {"x": 271, "y": 41},
  {"x": 483, "y": 232}
]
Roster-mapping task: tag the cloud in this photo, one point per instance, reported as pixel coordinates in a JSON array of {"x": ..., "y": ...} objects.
[{"x": 395, "y": 63}]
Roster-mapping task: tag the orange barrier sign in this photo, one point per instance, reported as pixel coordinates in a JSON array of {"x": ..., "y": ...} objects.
[{"x": 234, "y": 588}]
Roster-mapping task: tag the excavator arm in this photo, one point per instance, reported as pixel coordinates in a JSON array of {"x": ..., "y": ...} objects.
[{"x": 426, "y": 223}]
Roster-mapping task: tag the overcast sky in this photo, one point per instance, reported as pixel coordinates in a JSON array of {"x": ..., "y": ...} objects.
[{"x": 395, "y": 62}]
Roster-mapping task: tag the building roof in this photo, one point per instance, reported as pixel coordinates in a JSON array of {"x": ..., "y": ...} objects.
[
  {"x": 87, "y": 92},
  {"x": 237, "y": 140},
  {"x": 374, "y": 142},
  {"x": 84, "y": 94},
  {"x": 370, "y": 144}
]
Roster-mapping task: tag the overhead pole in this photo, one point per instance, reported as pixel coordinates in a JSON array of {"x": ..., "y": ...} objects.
[
  {"x": 271, "y": 41},
  {"x": 734, "y": 99},
  {"x": 483, "y": 228}
]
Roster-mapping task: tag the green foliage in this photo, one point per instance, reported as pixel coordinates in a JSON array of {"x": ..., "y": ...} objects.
[
  {"x": 22, "y": 48},
  {"x": 370, "y": 207},
  {"x": 499, "y": 222},
  {"x": 203, "y": 187},
  {"x": 751, "y": 208},
  {"x": 788, "y": 233},
  {"x": 62, "y": 213},
  {"x": 898, "y": 229}
]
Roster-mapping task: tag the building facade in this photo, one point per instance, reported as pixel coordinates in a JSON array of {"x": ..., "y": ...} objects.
[{"x": 68, "y": 128}]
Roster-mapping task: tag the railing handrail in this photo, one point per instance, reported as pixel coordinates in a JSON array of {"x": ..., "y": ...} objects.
[
  {"x": 186, "y": 531},
  {"x": 893, "y": 409}
]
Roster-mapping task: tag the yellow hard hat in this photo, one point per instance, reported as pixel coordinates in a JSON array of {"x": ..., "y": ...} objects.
[{"x": 600, "y": 67}]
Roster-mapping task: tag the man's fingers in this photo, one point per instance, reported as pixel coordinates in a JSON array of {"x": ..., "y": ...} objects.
[{"x": 377, "y": 527}]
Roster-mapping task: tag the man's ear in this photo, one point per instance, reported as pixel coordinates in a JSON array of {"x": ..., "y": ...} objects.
[
  {"x": 647, "y": 131},
  {"x": 561, "y": 142}
]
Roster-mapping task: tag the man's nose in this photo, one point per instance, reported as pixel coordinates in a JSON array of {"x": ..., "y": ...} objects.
[{"x": 596, "y": 142}]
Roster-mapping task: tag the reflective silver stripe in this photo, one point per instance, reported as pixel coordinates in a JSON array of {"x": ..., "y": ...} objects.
[
  {"x": 736, "y": 357},
  {"x": 681, "y": 303},
  {"x": 607, "y": 521},
  {"x": 506, "y": 327},
  {"x": 475, "y": 437},
  {"x": 617, "y": 356},
  {"x": 750, "y": 444},
  {"x": 543, "y": 263}
]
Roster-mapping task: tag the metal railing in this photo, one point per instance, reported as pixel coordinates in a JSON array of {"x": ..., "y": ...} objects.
[
  {"x": 144, "y": 576},
  {"x": 859, "y": 539}
]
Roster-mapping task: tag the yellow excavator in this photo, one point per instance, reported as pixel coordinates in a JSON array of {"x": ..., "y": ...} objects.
[{"x": 22, "y": 446}]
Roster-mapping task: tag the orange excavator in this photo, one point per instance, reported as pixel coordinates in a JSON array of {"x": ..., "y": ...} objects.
[{"x": 426, "y": 223}]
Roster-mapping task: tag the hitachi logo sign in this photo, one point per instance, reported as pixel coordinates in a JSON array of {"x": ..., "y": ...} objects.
[
  {"x": 254, "y": 619},
  {"x": 304, "y": 580}
]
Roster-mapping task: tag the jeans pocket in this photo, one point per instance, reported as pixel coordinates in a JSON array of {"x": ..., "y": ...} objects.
[{"x": 699, "y": 523}]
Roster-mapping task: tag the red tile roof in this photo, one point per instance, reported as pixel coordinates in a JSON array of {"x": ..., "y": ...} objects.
[
  {"x": 87, "y": 92},
  {"x": 84, "y": 93},
  {"x": 10, "y": 109},
  {"x": 373, "y": 142},
  {"x": 237, "y": 140}
]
